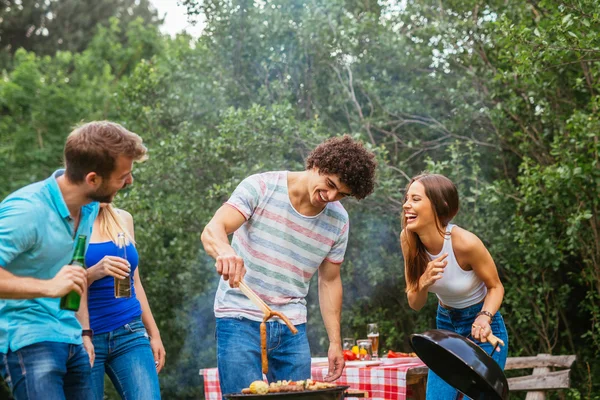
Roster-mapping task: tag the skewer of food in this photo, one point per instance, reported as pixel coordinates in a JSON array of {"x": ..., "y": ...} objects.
[
  {"x": 261, "y": 387},
  {"x": 268, "y": 314}
]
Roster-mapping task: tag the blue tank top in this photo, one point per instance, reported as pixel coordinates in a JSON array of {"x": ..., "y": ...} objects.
[{"x": 108, "y": 313}]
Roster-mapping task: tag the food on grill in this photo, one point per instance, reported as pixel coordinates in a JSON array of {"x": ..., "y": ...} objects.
[
  {"x": 257, "y": 387},
  {"x": 263, "y": 348},
  {"x": 268, "y": 314},
  {"x": 260, "y": 387}
]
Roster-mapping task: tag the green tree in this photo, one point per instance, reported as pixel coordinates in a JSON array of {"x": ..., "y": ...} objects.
[
  {"x": 46, "y": 27},
  {"x": 500, "y": 96}
]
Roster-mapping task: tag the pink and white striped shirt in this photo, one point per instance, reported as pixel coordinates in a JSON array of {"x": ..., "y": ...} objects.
[{"x": 281, "y": 248}]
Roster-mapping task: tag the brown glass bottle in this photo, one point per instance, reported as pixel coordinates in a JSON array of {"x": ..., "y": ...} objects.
[{"x": 122, "y": 286}]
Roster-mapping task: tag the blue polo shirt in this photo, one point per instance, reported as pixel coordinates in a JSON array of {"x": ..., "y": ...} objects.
[{"x": 37, "y": 239}]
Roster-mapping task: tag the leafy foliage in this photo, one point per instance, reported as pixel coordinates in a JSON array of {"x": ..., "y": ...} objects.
[
  {"x": 45, "y": 27},
  {"x": 502, "y": 97}
]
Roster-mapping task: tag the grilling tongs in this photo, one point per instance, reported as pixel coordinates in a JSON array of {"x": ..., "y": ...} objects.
[{"x": 268, "y": 314}]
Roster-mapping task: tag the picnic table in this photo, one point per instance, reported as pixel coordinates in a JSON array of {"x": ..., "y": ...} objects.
[{"x": 393, "y": 379}]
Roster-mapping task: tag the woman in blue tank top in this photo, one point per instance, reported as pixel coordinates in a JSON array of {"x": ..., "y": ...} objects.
[
  {"x": 127, "y": 343},
  {"x": 454, "y": 264}
]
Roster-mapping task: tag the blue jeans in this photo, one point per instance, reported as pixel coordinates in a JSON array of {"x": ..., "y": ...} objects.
[
  {"x": 49, "y": 371},
  {"x": 238, "y": 353},
  {"x": 126, "y": 356},
  {"x": 460, "y": 321}
]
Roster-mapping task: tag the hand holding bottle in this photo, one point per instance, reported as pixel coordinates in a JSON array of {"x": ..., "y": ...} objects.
[
  {"x": 116, "y": 267},
  {"x": 69, "y": 278},
  {"x": 71, "y": 300}
]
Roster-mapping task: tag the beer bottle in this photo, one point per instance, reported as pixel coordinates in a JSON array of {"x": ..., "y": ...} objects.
[
  {"x": 71, "y": 300},
  {"x": 122, "y": 286}
]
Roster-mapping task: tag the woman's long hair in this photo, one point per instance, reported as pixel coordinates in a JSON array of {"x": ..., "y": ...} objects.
[
  {"x": 111, "y": 224},
  {"x": 444, "y": 201}
]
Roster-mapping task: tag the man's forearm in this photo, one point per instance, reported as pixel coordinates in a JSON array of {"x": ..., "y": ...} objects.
[
  {"x": 215, "y": 241},
  {"x": 18, "y": 287},
  {"x": 330, "y": 301}
]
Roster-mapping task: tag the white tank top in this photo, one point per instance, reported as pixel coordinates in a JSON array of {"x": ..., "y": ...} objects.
[{"x": 457, "y": 288}]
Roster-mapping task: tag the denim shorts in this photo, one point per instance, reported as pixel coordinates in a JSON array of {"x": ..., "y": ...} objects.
[
  {"x": 239, "y": 359},
  {"x": 460, "y": 321}
]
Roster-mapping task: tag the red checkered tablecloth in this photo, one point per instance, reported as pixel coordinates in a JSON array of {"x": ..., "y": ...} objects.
[{"x": 382, "y": 382}]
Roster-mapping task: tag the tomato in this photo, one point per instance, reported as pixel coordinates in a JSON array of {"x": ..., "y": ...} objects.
[{"x": 349, "y": 355}]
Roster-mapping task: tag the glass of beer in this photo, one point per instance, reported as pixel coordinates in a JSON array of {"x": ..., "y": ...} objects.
[{"x": 373, "y": 334}]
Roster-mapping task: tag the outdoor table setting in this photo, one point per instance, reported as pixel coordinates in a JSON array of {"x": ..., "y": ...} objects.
[
  {"x": 393, "y": 377},
  {"x": 399, "y": 376},
  {"x": 381, "y": 379},
  {"x": 366, "y": 375}
]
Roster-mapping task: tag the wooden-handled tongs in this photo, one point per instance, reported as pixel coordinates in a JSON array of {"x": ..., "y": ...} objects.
[
  {"x": 495, "y": 341},
  {"x": 268, "y": 314}
]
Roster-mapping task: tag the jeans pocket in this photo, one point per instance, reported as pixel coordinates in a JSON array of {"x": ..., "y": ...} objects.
[
  {"x": 21, "y": 362},
  {"x": 136, "y": 326}
]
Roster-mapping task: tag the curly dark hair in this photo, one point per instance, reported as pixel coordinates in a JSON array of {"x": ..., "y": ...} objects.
[{"x": 349, "y": 160}]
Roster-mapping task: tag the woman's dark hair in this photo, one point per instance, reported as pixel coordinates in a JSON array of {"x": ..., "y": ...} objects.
[
  {"x": 349, "y": 160},
  {"x": 443, "y": 196}
]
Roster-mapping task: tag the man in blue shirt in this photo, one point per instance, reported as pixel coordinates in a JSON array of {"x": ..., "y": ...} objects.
[{"x": 42, "y": 353}]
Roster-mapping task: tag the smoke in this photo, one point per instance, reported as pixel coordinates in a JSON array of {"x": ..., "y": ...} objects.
[{"x": 198, "y": 347}]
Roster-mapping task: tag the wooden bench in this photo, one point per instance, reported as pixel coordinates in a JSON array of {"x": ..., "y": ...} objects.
[
  {"x": 542, "y": 377},
  {"x": 536, "y": 384}
]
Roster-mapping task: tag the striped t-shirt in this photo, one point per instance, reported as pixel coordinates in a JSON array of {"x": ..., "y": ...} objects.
[{"x": 281, "y": 248}]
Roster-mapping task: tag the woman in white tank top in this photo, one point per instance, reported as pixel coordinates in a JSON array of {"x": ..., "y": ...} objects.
[{"x": 454, "y": 264}]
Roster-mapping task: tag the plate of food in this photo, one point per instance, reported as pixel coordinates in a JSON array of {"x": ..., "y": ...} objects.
[
  {"x": 324, "y": 362},
  {"x": 396, "y": 357},
  {"x": 365, "y": 363}
]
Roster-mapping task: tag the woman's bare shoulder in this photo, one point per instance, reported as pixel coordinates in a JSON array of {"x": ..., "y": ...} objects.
[
  {"x": 464, "y": 242},
  {"x": 127, "y": 219},
  {"x": 126, "y": 215}
]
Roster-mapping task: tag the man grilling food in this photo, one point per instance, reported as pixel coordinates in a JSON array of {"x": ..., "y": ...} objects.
[{"x": 286, "y": 226}]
